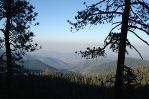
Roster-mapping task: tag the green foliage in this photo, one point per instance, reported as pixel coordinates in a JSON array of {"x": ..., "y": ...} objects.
[
  {"x": 22, "y": 17},
  {"x": 56, "y": 85},
  {"x": 19, "y": 36},
  {"x": 142, "y": 75},
  {"x": 17, "y": 17}
]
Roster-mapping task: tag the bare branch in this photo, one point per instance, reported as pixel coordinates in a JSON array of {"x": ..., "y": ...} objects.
[
  {"x": 134, "y": 48},
  {"x": 139, "y": 37},
  {"x": 117, "y": 22},
  {"x": 97, "y": 3},
  {"x": 120, "y": 23},
  {"x": 2, "y": 30},
  {"x": 141, "y": 29},
  {"x": 112, "y": 12}
]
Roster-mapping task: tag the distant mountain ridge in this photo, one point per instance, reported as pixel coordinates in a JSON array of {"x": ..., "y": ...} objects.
[
  {"x": 56, "y": 63},
  {"x": 37, "y": 66},
  {"x": 52, "y": 62},
  {"x": 84, "y": 66},
  {"x": 111, "y": 66},
  {"x": 70, "y": 63}
]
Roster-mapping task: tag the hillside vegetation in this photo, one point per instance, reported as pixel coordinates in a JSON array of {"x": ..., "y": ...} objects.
[
  {"x": 57, "y": 85},
  {"x": 37, "y": 66},
  {"x": 87, "y": 67},
  {"x": 111, "y": 66}
]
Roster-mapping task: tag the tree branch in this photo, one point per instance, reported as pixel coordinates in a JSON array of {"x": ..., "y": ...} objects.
[
  {"x": 140, "y": 23},
  {"x": 113, "y": 29},
  {"x": 135, "y": 14},
  {"x": 120, "y": 23},
  {"x": 135, "y": 49},
  {"x": 118, "y": 6},
  {"x": 108, "y": 6},
  {"x": 112, "y": 12},
  {"x": 97, "y": 3},
  {"x": 139, "y": 37},
  {"x": 2, "y": 30},
  {"x": 141, "y": 3},
  {"x": 135, "y": 27}
]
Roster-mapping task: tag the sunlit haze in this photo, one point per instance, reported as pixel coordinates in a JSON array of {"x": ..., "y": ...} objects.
[{"x": 53, "y": 33}]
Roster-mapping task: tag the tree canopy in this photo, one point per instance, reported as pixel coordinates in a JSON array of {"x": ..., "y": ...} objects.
[
  {"x": 134, "y": 16},
  {"x": 22, "y": 17},
  {"x": 17, "y": 17},
  {"x": 108, "y": 11}
]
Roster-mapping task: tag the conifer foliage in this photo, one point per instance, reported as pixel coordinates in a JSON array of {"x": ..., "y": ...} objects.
[
  {"x": 133, "y": 17},
  {"x": 17, "y": 16}
]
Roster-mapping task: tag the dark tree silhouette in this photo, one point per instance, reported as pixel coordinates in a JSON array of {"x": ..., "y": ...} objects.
[
  {"x": 134, "y": 16},
  {"x": 17, "y": 17}
]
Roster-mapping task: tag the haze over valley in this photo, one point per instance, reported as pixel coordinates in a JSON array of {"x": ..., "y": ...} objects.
[{"x": 72, "y": 62}]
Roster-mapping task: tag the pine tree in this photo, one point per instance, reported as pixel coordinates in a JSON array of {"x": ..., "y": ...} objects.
[
  {"x": 134, "y": 16},
  {"x": 17, "y": 17}
]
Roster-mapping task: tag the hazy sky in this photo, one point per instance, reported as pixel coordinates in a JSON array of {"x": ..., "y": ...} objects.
[
  {"x": 53, "y": 33},
  {"x": 53, "y": 16},
  {"x": 54, "y": 29}
]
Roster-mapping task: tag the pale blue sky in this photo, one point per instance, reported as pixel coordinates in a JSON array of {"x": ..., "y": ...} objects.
[
  {"x": 53, "y": 16},
  {"x": 53, "y": 33},
  {"x": 54, "y": 30}
]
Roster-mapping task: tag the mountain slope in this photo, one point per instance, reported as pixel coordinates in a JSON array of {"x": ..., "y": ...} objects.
[
  {"x": 84, "y": 64},
  {"x": 111, "y": 66},
  {"x": 37, "y": 66},
  {"x": 55, "y": 63},
  {"x": 27, "y": 56}
]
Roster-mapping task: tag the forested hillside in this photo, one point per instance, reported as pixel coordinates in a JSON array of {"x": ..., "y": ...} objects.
[
  {"x": 37, "y": 66},
  {"x": 57, "y": 85},
  {"x": 111, "y": 66},
  {"x": 82, "y": 65},
  {"x": 87, "y": 67},
  {"x": 56, "y": 63}
]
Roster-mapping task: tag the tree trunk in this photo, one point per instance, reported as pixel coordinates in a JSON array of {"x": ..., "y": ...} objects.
[
  {"x": 8, "y": 51},
  {"x": 122, "y": 49}
]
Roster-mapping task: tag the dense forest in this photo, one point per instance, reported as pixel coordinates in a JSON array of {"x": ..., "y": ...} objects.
[
  {"x": 49, "y": 78},
  {"x": 58, "y": 85}
]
